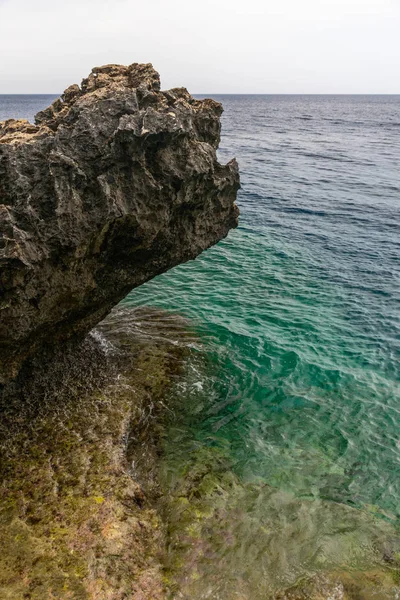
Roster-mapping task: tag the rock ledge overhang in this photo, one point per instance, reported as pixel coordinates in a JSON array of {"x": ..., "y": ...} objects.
[{"x": 115, "y": 183}]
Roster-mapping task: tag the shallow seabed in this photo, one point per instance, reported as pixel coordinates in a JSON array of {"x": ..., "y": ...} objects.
[{"x": 294, "y": 404}]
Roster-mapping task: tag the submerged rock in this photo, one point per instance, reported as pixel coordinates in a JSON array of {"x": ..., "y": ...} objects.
[
  {"x": 228, "y": 538},
  {"x": 116, "y": 183},
  {"x": 375, "y": 584},
  {"x": 75, "y": 522}
]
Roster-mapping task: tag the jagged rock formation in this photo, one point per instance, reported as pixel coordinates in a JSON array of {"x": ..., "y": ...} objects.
[{"x": 116, "y": 183}]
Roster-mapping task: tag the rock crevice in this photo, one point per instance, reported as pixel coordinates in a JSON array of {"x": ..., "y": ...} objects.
[{"x": 115, "y": 183}]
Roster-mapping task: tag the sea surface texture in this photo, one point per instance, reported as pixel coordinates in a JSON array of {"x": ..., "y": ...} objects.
[{"x": 293, "y": 385}]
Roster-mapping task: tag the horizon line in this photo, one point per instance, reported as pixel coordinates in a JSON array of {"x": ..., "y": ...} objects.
[{"x": 234, "y": 93}]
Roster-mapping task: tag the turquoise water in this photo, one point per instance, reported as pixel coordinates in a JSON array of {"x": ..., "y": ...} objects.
[
  {"x": 299, "y": 308},
  {"x": 295, "y": 377},
  {"x": 298, "y": 312}
]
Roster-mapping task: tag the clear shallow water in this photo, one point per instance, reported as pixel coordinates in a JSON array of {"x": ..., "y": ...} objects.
[
  {"x": 300, "y": 307},
  {"x": 298, "y": 313}
]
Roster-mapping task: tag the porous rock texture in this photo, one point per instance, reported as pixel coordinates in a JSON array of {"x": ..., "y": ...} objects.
[{"x": 115, "y": 183}]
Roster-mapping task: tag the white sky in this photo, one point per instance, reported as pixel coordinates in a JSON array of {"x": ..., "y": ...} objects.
[{"x": 208, "y": 46}]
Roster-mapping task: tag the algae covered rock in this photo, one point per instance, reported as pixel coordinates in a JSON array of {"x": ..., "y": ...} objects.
[
  {"x": 115, "y": 183},
  {"x": 75, "y": 522}
]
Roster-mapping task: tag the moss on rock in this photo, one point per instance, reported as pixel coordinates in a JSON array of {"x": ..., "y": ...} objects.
[{"x": 74, "y": 523}]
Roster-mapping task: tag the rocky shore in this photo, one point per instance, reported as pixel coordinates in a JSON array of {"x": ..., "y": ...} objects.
[{"x": 115, "y": 183}]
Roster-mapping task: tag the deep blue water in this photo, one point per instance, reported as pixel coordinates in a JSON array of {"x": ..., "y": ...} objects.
[
  {"x": 298, "y": 310},
  {"x": 23, "y": 106}
]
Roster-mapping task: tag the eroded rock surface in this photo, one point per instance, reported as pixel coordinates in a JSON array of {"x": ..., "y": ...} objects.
[{"x": 115, "y": 183}]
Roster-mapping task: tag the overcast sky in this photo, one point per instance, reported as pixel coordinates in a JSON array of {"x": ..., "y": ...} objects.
[{"x": 208, "y": 46}]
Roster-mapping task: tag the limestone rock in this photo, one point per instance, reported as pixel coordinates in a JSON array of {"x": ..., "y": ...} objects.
[{"x": 115, "y": 183}]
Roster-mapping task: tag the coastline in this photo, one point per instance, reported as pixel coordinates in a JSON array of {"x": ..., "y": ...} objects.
[{"x": 275, "y": 476}]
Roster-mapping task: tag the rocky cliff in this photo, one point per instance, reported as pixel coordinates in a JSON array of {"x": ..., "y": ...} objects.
[{"x": 115, "y": 183}]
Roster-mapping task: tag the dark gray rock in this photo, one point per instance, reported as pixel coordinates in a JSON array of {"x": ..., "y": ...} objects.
[{"x": 116, "y": 183}]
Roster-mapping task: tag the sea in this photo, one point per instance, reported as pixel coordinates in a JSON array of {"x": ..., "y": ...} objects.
[{"x": 295, "y": 379}]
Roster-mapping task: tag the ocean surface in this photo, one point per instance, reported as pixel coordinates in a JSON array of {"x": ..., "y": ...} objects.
[{"x": 296, "y": 377}]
